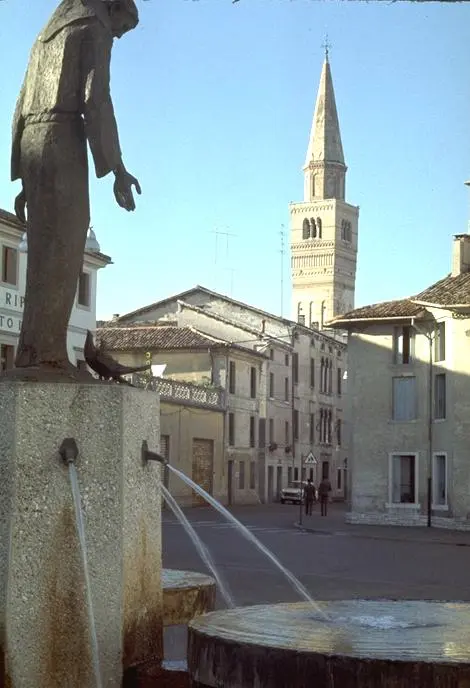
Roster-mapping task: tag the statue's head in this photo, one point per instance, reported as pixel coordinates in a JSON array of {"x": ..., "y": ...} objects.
[{"x": 124, "y": 16}]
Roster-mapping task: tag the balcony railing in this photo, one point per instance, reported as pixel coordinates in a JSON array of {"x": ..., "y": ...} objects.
[{"x": 185, "y": 392}]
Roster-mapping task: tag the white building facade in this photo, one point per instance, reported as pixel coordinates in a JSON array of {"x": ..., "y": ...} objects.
[
  {"x": 12, "y": 288},
  {"x": 300, "y": 388},
  {"x": 409, "y": 383}
]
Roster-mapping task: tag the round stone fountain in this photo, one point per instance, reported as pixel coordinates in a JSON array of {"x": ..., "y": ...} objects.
[{"x": 347, "y": 644}]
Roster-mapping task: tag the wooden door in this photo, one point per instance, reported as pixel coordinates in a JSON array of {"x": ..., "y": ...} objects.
[{"x": 203, "y": 467}]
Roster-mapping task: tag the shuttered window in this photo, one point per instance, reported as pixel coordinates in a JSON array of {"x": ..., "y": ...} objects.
[{"x": 404, "y": 398}]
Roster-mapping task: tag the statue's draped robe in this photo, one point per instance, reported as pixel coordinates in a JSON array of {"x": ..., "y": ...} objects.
[{"x": 64, "y": 101}]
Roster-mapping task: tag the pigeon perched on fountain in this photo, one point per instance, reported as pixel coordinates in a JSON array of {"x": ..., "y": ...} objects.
[{"x": 105, "y": 365}]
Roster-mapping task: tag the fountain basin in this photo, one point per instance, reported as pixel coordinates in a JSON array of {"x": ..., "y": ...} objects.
[
  {"x": 186, "y": 594},
  {"x": 364, "y": 644}
]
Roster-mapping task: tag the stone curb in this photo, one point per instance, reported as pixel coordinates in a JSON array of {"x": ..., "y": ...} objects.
[{"x": 373, "y": 536}]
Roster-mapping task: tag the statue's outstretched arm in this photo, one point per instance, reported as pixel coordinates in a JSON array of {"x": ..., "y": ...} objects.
[{"x": 98, "y": 111}]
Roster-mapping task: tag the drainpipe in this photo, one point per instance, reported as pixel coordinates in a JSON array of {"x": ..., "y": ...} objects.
[
  {"x": 293, "y": 425},
  {"x": 224, "y": 418},
  {"x": 430, "y": 382},
  {"x": 224, "y": 434},
  {"x": 430, "y": 337}
]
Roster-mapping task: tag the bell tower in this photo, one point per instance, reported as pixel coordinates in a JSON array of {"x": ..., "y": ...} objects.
[{"x": 323, "y": 227}]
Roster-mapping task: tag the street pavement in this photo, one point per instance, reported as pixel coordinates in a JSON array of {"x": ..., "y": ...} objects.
[{"x": 332, "y": 559}]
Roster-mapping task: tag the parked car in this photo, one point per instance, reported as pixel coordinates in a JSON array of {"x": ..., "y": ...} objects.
[{"x": 294, "y": 493}]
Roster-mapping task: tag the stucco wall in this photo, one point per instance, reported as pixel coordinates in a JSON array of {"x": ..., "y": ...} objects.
[
  {"x": 376, "y": 435},
  {"x": 184, "y": 424}
]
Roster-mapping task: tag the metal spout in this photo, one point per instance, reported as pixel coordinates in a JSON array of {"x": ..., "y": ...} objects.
[
  {"x": 68, "y": 450},
  {"x": 148, "y": 455}
]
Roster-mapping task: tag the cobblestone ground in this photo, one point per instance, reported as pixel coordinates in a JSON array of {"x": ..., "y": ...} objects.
[{"x": 332, "y": 559}]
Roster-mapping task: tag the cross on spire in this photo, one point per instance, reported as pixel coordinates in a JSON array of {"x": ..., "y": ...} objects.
[{"x": 326, "y": 45}]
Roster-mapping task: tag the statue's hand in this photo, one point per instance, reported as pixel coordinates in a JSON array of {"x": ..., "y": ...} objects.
[
  {"x": 123, "y": 189},
  {"x": 20, "y": 206}
]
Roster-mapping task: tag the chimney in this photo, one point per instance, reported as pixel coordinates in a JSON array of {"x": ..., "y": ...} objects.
[
  {"x": 461, "y": 254},
  {"x": 115, "y": 317}
]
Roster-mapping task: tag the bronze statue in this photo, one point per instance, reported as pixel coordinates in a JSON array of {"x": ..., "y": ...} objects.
[
  {"x": 106, "y": 367},
  {"x": 64, "y": 102}
]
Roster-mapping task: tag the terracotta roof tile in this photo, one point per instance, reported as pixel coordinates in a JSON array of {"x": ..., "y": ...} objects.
[
  {"x": 449, "y": 291},
  {"x": 156, "y": 337},
  {"x": 387, "y": 309},
  {"x": 148, "y": 337}
]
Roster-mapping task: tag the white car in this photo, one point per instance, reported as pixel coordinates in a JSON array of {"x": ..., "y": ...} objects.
[{"x": 294, "y": 493}]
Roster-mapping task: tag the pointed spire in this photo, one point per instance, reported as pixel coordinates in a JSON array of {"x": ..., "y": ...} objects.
[{"x": 325, "y": 137}]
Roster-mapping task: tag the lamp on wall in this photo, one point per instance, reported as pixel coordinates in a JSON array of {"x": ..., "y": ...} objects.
[
  {"x": 23, "y": 246},
  {"x": 91, "y": 245}
]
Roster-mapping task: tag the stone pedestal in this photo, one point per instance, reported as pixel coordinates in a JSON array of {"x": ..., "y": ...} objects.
[{"x": 44, "y": 626}]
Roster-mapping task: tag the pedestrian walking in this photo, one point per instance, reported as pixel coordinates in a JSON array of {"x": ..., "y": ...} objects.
[
  {"x": 309, "y": 496},
  {"x": 324, "y": 490}
]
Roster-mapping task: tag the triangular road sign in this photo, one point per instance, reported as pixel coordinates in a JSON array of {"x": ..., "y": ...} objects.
[{"x": 311, "y": 459}]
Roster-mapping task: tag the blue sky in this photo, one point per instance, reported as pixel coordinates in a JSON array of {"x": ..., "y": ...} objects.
[{"x": 214, "y": 102}]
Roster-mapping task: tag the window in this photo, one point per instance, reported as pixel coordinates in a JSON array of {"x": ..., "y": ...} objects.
[
  {"x": 440, "y": 396},
  {"x": 286, "y": 433},
  {"x": 338, "y": 431},
  {"x": 7, "y": 356},
  {"x": 262, "y": 432},
  {"x": 271, "y": 430},
  {"x": 241, "y": 475},
  {"x": 9, "y": 265},
  {"x": 253, "y": 383},
  {"x": 305, "y": 229},
  {"x": 321, "y": 426},
  {"x": 312, "y": 373},
  {"x": 295, "y": 421},
  {"x": 289, "y": 476},
  {"x": 440, "y": 342},
  {"x": 322, "y": 375},
  {"x": 296, "y": 473},
  {"x": 231, "y": 429},
  {"x": 286, "y": 359},
  {"x": 325, "y": 470},
  {"x": 271, "y": 385},
  {"x": 310, "y": 474},
  {"x": 319, "y": 227},
  {"x": 84, "y": 295},
  {"x": 404, "y": 398},
  {"x": 313, "y": 228},
  {"x": 339, "y": 482},
  {"x": 271, "y": 354},
  {"x": 439, "y": 480},
  {"x": 231, "y": 377},
  {"x": 312, "y": 428},
  {"x": 346, "y": 233},
  {"x": 403, "y": 345},
  {"x": 286, "y": 389},
  {"x": 252, "y": 431},
  {"x": 329, "y": 428},
  {"x": 339, "y": 380},
  {"x": 403, "y": 479},
  {"x": 295, "y": 368},
  {"x": 252, "y": 475},
  {"x": 330, "y": 377}
]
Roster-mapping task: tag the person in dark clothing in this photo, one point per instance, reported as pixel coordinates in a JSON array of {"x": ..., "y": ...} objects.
[
  {"x": 323, "y": 493},
  {"x": 309, "y": 496}
]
